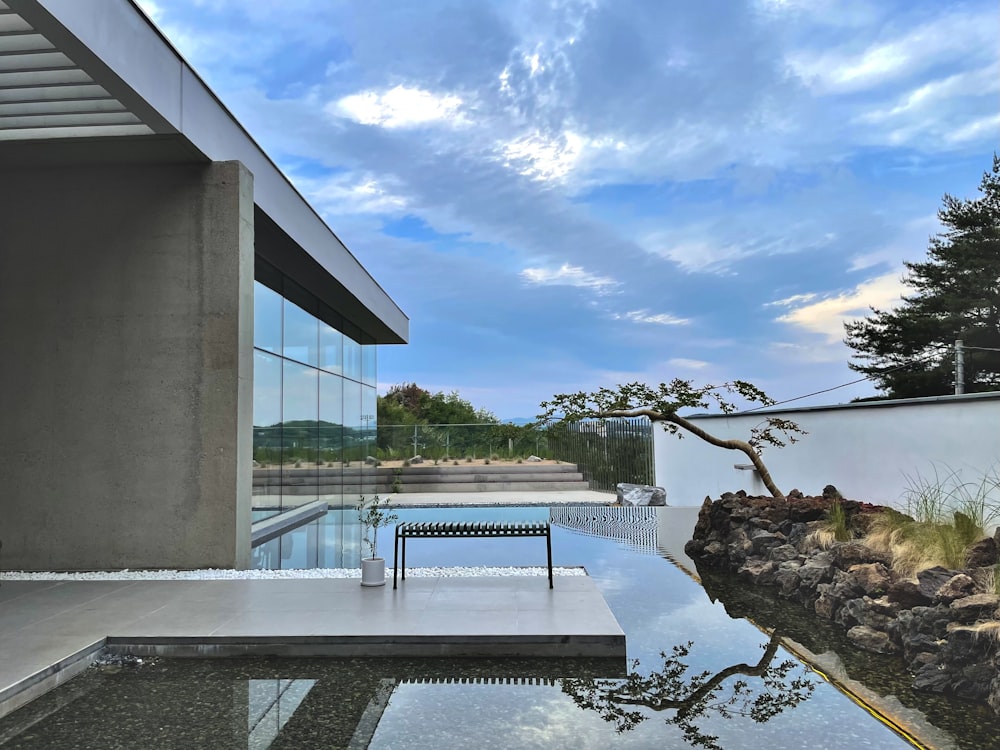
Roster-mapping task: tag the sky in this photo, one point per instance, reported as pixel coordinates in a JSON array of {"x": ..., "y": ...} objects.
[{"x": 569, "y": 194}]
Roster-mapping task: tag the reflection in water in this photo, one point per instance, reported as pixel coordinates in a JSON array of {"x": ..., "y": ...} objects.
[{"x": 689, "y": 698}]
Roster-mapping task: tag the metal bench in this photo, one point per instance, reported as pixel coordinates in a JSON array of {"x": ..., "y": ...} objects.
[{"x": 426, "y": 530}]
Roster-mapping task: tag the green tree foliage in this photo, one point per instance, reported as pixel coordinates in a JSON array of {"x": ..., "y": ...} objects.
[
  {"x": 408, "y": 403},
  {"x": 956, "y": 295},
  {"x": 662, "y": 404}
]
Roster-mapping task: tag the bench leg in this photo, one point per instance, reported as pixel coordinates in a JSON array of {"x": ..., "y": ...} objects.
[
  {"x": 403, "y": 571},
  {"x": 548, "y": 547},
  {"x": 395, "y": 558}
]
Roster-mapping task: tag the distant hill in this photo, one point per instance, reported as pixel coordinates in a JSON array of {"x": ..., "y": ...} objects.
[{"x": 520, "y": 421}]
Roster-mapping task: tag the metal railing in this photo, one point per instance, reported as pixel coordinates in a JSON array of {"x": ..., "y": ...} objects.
[
  {"x": 461, "y": 441},
  {"x": 607, "y": 451}
]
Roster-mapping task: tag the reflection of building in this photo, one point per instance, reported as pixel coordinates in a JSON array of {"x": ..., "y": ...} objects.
[
  {"x": 163, "y": 289},
  {"x": 633, "y": 524}
]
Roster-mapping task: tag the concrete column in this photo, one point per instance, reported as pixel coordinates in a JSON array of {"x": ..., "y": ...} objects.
[{"x": 126, "y": 331}]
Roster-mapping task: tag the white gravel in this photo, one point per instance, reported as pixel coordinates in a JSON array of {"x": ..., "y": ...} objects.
[{"x": 211, "y": 574}]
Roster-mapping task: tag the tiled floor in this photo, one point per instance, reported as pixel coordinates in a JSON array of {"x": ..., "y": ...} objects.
[{"x": 49, "y": 631}]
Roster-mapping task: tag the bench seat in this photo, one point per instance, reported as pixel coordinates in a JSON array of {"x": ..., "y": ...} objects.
[{"x": 468, "y": 530}]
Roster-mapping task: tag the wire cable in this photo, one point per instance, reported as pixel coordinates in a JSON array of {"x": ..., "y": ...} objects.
[{"x": 854, "y": 382}]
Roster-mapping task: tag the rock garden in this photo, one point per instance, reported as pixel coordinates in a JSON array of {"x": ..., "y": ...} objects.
[{"x": 922, "y": 586}]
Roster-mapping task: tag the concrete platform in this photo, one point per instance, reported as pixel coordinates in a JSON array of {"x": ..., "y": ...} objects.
[
  {"x": 503, "y": 498},
  {"x": 54, "y": 630}
]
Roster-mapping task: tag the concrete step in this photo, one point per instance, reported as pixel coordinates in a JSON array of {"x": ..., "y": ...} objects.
[
  {"x": 355, "y": 480},
  {"x": 351, "y": 491}
]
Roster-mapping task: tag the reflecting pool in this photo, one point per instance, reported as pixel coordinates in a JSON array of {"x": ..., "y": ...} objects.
[{"x": 701, "y": 673}]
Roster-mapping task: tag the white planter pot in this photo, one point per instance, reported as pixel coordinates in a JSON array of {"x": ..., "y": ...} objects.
[{"x": 373, "y": 571}]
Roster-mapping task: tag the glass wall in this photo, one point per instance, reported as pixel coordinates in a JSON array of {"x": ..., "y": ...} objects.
[{"x": 314, "y": 406}]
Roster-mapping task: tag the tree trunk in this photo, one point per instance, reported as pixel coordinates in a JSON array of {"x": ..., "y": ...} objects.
[{"x": 733, "y": 444}]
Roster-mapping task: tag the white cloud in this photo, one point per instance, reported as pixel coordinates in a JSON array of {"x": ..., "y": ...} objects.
[
  {"x": 827, "y": 316},
  {"x": 688, "y": 364},
  {"x": 399, "y": 107},
  {"x": 944, "y": 39},
  {"x": 910, "y": 243},
  {"x": 696, "y": 255},
  {"x": 644, "y": 316},
  {"x": 567, "y": 275},
  {"x": 541, "y": 157},
  {"x": 352, "y": 194},
  {"x": 795, "y": 299},
  {"x": 983, "y": 127}
]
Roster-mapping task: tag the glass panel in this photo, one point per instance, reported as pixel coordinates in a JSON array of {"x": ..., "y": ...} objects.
[
  {"x": 353, "y": 434},
  {"x": 300, "y": 409},
  {"x": 266, "y": 429},
  {"x": 352, "y": 358},
  {"x": 331, "y": 438},
  {"x": 331, "y": 349},
  {"x": 368, "y": 364},
  {"x": 369, "y": 427},
  {"x": 266, "y": 318},
  {"x": 301, "y": 335}
]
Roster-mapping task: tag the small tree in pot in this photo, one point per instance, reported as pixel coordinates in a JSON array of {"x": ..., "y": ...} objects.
[{"x": 374, "y": 514}]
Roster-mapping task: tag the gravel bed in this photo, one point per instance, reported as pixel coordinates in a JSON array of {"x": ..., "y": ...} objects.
[{"x": 211, "y": 574}]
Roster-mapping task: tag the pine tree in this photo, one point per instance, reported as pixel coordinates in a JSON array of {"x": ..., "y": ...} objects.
[{"x": 909, "y": 351}]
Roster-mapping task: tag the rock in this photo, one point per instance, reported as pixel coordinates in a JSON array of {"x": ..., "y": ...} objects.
[
  {"x": 957, "y": 587},
  {"x": 532, "y": 459},
  {"x": 870, "y": 639},
  {"x": 969, "y": 609},
  {"x": 418, "y": 459},
  {"x": 855, "y": 553},
  {"x": 932, "y": 579},
  {"x": 872, "y": 578},
  {"x": 817, "y": 569},
  {"x": 764, "y": 541},
  {"x": 931, "y": 678},
  {"x": 371, "y": 461},
  {"x": 640, "y": 494},
  {"x": 832, "y": 493},
  {"x": 907, "y": 594},
  {"x": 983, "y": 554},
  {"x": 783, "y": 553}
]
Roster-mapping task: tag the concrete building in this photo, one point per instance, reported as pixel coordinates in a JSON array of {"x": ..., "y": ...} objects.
[{"x": 163, "y": 290}]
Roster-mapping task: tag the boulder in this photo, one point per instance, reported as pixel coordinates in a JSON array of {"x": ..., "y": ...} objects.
[
  {"x": 970, "y": 609},
  {"x": 870, "y": 639},
  {"x": 983, "y": 554},
  {"x": 418, "y": 459},
  {"x": 872, "y": 578},
  {"x": 932, "y": 579},
  {"x": 958, "y": 586},
  {"x": 532, "y": 459},
  {"x": 907, "y": 594},
  {"x": 640, "y": 494}
]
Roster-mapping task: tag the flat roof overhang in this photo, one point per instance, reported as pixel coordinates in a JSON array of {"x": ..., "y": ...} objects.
[{"x": 85, "y": 81}]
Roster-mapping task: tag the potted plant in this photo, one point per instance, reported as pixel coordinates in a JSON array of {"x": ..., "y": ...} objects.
[{"x": 374, "y": 514}]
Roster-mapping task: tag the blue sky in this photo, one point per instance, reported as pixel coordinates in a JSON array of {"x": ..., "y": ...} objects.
[{"x": 568, "y": 194}]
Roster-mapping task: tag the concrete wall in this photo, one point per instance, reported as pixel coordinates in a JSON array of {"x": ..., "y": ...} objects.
[
  {"x": 867, "y": 450},
  {"x": 126, "y": 330}
]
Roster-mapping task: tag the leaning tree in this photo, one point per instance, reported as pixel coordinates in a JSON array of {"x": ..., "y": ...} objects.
[{"x": 662, "y": 404}]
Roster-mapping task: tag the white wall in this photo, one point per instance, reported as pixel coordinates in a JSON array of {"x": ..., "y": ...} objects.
[{"x": 867, "y": 449}]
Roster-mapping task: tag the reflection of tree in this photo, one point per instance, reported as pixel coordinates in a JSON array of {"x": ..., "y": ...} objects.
[{"x": 691, "y": 697}]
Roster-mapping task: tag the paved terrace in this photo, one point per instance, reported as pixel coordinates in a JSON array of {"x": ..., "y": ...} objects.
[{"x": 52, "y": 630}]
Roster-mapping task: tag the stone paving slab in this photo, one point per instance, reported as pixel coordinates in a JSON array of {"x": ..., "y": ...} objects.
[{"x": 53, "y": 630}]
